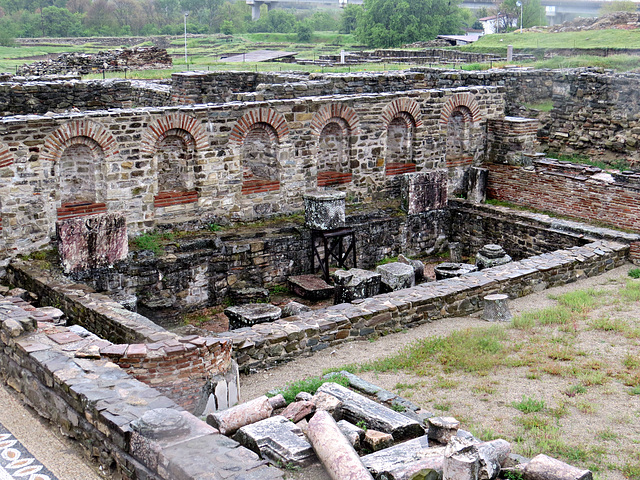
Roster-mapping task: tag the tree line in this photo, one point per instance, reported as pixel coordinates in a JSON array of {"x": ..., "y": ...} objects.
[{"x": 377, "y": 23}]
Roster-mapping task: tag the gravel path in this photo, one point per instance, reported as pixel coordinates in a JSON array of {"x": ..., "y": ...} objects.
[{"x": 493, "y": 410}]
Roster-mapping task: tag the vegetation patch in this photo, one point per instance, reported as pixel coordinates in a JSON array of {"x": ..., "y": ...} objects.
[{"x": 309, "y": 385}]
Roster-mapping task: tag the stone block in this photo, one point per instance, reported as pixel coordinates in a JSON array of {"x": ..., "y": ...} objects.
[
  {"x": 296, "y": 411},
  {"x": 352, "y": 433},
  {"x": 424, "y": 191},
  {"x": 396, "y": 276},
  {"x": 354, "y": 284},
  {"x": 277, "y": 439},
  {"x": 401, "y": 455},
  {"x": 477, "y": 187},
  {"x": 310, "y": 287},
  {"x": 324, "y": 210},
  {"x": 418, "y": 267},
  {"x": 452, "y": 270},
  {"x": 328, "y": 403},
  {"x": 442, "y": 429},
  {"x": 496, "y": 308},
  {"x": 491, "y": 255},
  {"x": 251, "y": 314},
  {"x": 294, "y": 308},
  {"x": 357, "y": 408},
  {"x": 375, "y": 440},
  {"x": 92, "y": 242}
]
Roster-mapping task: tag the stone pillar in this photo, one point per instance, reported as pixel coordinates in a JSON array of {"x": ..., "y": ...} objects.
[
  {"x": 424, "y": 191},
  {"x": 542, "y": 467},
  {"x": 455, "y": 252},
  {"x": 477, "y": 188},
  {"x": 333, "y": 449},
  {"x": 496, "y": 308},
  {"x": 255, "y": 10},
  {"x": 324, "y": 210},
  {"x": 509, "y": 53}
]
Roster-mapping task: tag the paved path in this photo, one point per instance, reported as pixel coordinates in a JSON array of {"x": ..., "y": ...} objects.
[{"x": 59, "y": 454}]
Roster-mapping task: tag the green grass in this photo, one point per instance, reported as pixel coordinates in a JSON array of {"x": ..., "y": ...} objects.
[
  {"x": 634, "y": 273},
  {"x": 529, "y": 405},
  {"x": 470, "y": 350},
  {"x": 309, "y": 385},
  {"x": 543, "y": 106},
  {"x": 617, "y": 164},
  {"x": 152, "y": 242},
  {"x": 612, "y": 39}
]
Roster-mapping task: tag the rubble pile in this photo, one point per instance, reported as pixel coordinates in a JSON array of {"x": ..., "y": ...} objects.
[
  {"x": 375, "y": 435},
  {"x": 142, "y": 58},
  {"x": 621, "y": 20}
]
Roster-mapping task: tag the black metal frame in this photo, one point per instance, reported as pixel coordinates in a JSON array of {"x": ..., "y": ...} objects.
[{"x": 333, "y": 243}]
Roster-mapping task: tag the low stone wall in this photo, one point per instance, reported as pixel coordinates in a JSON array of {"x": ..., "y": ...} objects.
[
  {"x": 96, "y": 403},
  {"x": 279, "y": 341},
  {"x": 179, "y": 367},
  {"x": 62, "y": 95},
  {"x": 145, "y": 93}
]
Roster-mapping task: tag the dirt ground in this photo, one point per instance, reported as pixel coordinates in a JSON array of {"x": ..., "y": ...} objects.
[{"x": 596, "y": 426}]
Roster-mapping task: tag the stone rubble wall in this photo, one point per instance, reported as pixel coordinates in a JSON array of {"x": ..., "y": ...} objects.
[
  {"x": 201, "y": 272},
  {"x": 38, "y": 97},
  {"x": 139, "y": 58},
  {"x": 124, "y": 145},
  {"x": 177, "y": 366},
  {"x": 578, "y": 191},
  {"x": 596, "y": 111},
  {"x": 267, "y": 344},
  {"x": 150, "y": 93},
  {"x": 95, "y": 402}
]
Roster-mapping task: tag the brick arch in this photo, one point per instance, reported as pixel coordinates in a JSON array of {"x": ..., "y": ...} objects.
[
  {"x": 334, "y": 110},
  {"x": 6, "y": 158},
  {"x": 402, "y": 105},
  {"x": 259, "y": 116},
  {"x": 465, "y": 100},
  {"x": 177, "y": 122},
  {"x": 93, "y": 135}
]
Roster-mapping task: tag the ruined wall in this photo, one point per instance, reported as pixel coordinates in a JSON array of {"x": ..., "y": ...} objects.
[
  {"x": 596, "y": 111},
  {"x": 125, "y": 147},
  {"x": 269, "y": 344},
  {"x": 577, "y": 191},
  {"x": 200, "y": 271},
  {"x": 36, "y": 97},
  {"x": 179, "y": 367},
  {"x": 521, "y": 235},
  {"x": 97, "y": 403}
]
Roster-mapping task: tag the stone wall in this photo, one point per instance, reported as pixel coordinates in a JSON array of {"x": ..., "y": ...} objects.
[
  {"x": 268, "y": 344},
  {"x": 200, "y": 271},
  {"x": 139, "y": 58},
  {"x": 595, "y": 112},
  {"x": 35, "y": 97},
  {"x": 215, "y": 145},
  {"x": 179, "y": 367},
  {"x": 98, "y": 404}
]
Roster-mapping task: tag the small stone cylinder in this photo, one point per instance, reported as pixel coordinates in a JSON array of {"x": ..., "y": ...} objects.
[
  {"x": 230, "y": 420},
  {"x": 496, "y": 308},
  {"x": 334, "y": 451},
  {"x": 542, "y": 467}
]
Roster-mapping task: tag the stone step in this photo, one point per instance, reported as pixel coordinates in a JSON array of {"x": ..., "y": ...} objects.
[{"x": 310, "y": 287}]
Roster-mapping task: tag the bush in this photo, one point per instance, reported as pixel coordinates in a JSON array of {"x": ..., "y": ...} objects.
[{"x": 634, "y": 273}]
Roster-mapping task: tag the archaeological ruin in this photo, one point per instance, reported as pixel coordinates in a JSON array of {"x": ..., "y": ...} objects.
[{"x": 243, "y": 182}]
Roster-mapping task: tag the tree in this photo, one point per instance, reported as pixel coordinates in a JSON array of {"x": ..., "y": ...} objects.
[
  {"x": 391, "y": 23},
  {"x": 304, "y": 31},
  {"x": 349, "y": 18},
  {"x": 275, "y": 21},
  {"x": 226, "y": 27},
  {"x": 60, "y": 22},
  {"x": 618, "y": 6},
  {"x": 532, "y": 13}
]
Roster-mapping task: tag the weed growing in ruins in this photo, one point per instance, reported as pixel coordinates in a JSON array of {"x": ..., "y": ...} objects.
[
  {"x": 528, "y": 405},
  {"x": 634, "y": 273},
  {"x": 631, "y": 292},
  {"x": 575, "y": 390},
  {"x": 309, "y": 385},
  {"x": 444, "y": 407},
  {"x": 279, "y": 290},
  {"x": 214, "y": 227},
  {"x": 152, "y": 242}
]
